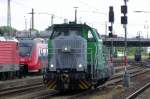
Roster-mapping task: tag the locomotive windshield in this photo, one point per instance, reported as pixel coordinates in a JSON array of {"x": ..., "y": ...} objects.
[
  {"x": 66, "y": 31},
  {"x": 25, "y": 49}
]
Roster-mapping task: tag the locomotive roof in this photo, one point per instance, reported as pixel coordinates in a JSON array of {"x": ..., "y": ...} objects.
[
  {"x": 37, "y": 40},
  {"x": 70, "y": 25}
]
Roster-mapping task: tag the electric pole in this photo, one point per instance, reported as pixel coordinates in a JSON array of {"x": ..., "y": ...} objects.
[
  {"x": 32, "y": 19},
  {"x": 52, "y": 19},
  {"x": 105, "y": 29},
  {"x": 25, "y": 23},
  {"x": 9, "y": 16},
  {"x": 32, "y": 13},
  {"x": 146, "y": 27},
  {"x": 75, "y": 20}
]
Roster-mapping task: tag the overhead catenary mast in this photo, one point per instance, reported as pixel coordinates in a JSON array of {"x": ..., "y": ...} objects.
[
  {"x": 32, "y": 19},
  {"x": 32, "y": 13},
  {"x": 75, "y": 20},
  {"x": 9, "y": 16},
  {"x": 52, "y": 19}
]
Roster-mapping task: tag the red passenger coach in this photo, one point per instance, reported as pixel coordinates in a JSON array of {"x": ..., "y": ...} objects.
[
  {"x": 30, "y": 57},
  {"x": 9, "y": 60}
]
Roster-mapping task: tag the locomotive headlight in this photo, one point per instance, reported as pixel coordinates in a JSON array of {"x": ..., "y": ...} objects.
[
  {"x": 52, "y": 65},
  {"x": 80, "y": 66},
  {"x": 66, "y": 49}
]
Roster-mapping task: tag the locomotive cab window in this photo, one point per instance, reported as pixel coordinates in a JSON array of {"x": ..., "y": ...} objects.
[
  {"x": 25, "y": 49},
  {"x": 65, "y": 32},
  {"x": 90, "y": 36}
]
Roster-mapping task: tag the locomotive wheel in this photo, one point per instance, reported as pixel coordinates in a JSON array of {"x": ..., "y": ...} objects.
[
  {"x": 40, "y": 71},
  {"x": 17, "y": 74},
  {"x": 1, "y": 77},
  {"x": 23, "y": 71},
  {"x": 4, "y": 76},
  {"x": 13, "y": 75},
  {"x": 10, "y": 75}
]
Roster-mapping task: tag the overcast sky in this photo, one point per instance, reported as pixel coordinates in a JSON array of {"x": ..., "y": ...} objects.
[{"x": 92, "y": 12}]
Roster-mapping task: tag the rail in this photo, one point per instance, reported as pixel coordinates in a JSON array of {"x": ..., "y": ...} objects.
[{"x": 139, "y": 91}]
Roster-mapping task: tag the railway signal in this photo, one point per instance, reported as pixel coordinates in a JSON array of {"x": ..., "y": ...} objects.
[
  {"x": 126, "y": 76},
  {"x": 124, "y": 9},
  {"x": 111, "y": 20},
  {"x": 111, "y": 14},
  {"x": 124, "y": 18},
  {"x": 110, "y": 29}
]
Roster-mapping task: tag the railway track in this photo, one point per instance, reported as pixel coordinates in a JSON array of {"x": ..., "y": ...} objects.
[
  {"x": 12, "y": 90},
  {"x": 41, "y": 94},
  {"x": 130, "y": 70},
  {"x": 110, "y": 82},
  {"x": 30, "y": 89},
  {"x": 44, "y": 96},
  {"x": 113, "y": 80},
  {"x": 19, "y": 82},
  {"x": 15, "y": 87},
  {"x": 139, "y": 91},
  {"x": 28, "y": 92}
]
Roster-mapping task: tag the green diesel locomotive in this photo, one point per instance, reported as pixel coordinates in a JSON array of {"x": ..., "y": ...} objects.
[{"x": 77, "y": 58}]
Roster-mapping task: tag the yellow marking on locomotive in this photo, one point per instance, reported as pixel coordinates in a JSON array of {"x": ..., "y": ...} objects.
[
  {"x": 84, "y": 85},
  {"x": 54, "y": 86},
  {"x": 51, "y": 84},
  {"x": 81, "y": 86},
  {"x": 87, "y": 83}
]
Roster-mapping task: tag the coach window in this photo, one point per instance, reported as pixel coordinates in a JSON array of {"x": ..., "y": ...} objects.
[{"x": 90, "y": 36}]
